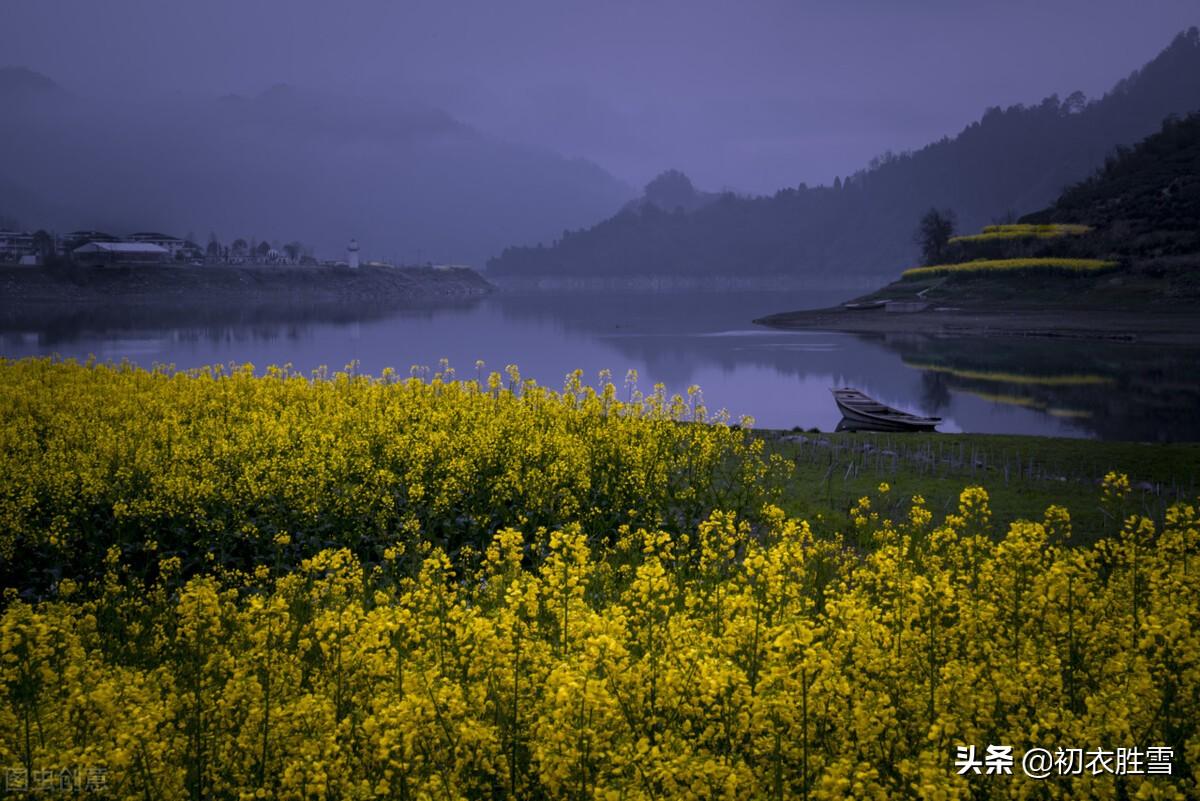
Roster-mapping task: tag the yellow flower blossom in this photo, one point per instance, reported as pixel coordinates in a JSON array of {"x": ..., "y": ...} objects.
[{"x": 634, "y": 638}]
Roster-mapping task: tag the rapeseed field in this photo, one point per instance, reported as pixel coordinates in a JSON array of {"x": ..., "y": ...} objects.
[{"x": 227, "y": 585}]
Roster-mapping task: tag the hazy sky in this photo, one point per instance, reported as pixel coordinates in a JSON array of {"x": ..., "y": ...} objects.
[{"x": 741, "y": 94}]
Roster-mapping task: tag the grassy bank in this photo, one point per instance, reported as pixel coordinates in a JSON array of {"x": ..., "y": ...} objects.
[{"x": 1024, "y": 475}]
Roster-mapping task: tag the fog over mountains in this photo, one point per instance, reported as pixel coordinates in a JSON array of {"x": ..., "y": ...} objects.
[
  {"x": 406, "y": 179},
  {"x": 412, "y": 181},
  {"x": 1010, "y": 162}
]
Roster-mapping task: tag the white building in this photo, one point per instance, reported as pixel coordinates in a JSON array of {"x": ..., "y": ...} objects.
[
  {"x": 352, "y": 254},
  {"x": 172, "y": 244},
  {"x": 120, "y": 253}
]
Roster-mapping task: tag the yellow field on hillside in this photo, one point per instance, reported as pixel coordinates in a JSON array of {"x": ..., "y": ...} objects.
[
  {"x": 1020, "y": 231},
  {"x": 1011, "y": 265}
]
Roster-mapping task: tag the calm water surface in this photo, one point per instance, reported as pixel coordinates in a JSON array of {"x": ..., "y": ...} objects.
[{"x": 782, "y": 379}]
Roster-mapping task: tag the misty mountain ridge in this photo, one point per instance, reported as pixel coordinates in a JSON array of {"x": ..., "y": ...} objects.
[
  {"x": 673, "y": 191},
  {"x": 1011, "y": 161},
  {"x": 406, "y": 179}
]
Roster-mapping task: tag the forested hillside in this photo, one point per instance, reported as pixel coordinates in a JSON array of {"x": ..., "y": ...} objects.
[
  {"x": 1125, "y": 238},
  {"x": 1010, "y": 162},
  {"x": 1146, "y": 199}
]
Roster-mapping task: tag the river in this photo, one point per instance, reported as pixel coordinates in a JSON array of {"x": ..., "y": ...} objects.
[{"x": 1108, "y": 390}]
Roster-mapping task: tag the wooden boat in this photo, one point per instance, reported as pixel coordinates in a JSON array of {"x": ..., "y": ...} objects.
[
  {"x": 863, "y": 413},
  {"x": 863, "y": 305}
]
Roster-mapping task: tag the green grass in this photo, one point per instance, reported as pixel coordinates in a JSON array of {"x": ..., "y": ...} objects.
[{"x": 1023, "y": 475}]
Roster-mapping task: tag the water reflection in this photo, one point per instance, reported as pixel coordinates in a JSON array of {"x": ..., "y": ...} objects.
[{"x": 1112, "y": 390}]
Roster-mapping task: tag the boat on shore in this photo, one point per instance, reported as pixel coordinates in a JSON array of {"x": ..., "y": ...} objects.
[
  {"x": 864, "y": 305},
  {"x": 863, "y": 413}
]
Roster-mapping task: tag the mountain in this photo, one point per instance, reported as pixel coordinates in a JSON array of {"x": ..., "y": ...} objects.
[
  {"x": 406, "y": 179},
  {"x": 1118, "y": 252},
  {"x": 1145, "y": 201},
  {"x": 1010, "y": 162}
]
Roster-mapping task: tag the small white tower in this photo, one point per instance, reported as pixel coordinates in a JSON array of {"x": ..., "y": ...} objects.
[{"x": 352, "y": 254}]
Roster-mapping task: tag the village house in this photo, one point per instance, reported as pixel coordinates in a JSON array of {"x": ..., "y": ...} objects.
[
  {"x": 22, "y": 247},
  {"x": 120, "y": 253},
  {"x": 15, "y": 245}
]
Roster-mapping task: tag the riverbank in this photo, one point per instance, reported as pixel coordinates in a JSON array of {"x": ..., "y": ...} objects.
[
  {"x": 1151, "y": 299},
  {"x": 220, "y": 282},
  {"x": 1173, "y": 325}
]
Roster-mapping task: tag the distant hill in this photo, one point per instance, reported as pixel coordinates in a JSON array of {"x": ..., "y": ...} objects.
[
  {"x": 407, "y": 180},
  {"x": 671, "y": 191},
  {"x": 1012, "y": 161}
]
